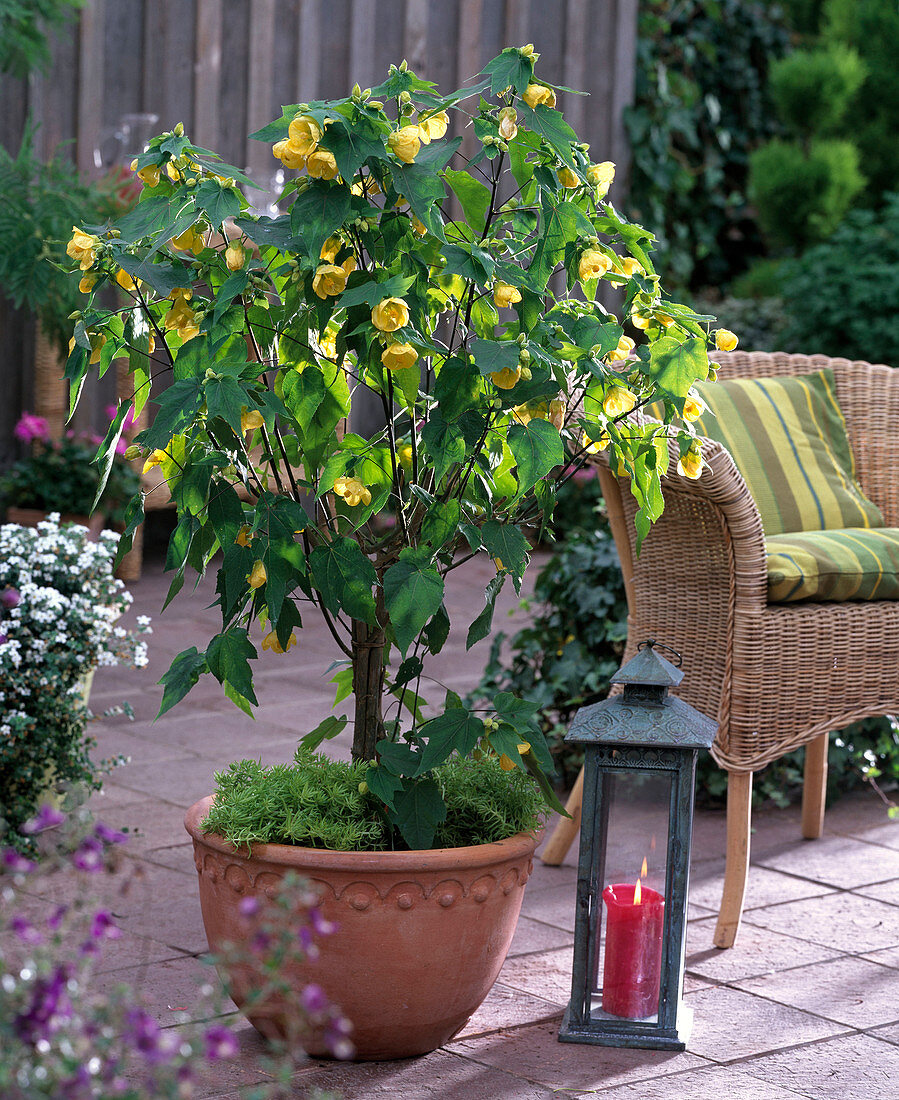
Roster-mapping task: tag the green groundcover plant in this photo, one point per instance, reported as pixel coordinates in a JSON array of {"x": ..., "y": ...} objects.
[{"x": 460, "y": 292}]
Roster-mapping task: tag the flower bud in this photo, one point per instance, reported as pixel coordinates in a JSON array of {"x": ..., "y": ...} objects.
[
  {"x": 526, "y": 373},
  {"x": 357, "y": 92},
  {"x": 132, "y": 452},
  {"x": 403, "y": 65},
  {"x": 75, "y": 315},
  {"x": 404, "y": 96},
  {"x": 10, "y": 598},
  {"x": 524, "y": 356},
  {"x": 179, "y": 129},
  {"x": 522, "y": 338}
]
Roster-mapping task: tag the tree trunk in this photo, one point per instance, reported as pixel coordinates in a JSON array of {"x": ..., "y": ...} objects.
[{"x": 368, "y": 687}]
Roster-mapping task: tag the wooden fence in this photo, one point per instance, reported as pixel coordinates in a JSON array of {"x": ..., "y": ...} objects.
[{"x": 225, "y": 67}]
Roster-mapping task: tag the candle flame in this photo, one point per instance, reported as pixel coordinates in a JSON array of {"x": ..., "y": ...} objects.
[
  {"x": 637, "y": 893},
  {"x": 644, "y": 870}
]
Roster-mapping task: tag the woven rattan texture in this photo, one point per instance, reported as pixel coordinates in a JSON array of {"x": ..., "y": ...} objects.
[{"x": 775, "y": 677}]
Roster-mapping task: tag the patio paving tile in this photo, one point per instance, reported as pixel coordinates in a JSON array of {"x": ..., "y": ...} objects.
[
  {"x": 764, "y": 887},
  {"x": 855, "y": 1066},
  {"x": 533, "y": 936},
  {"x": 888, "y": 957},
  {"x": 703, "y": 1084},
  {"x": 506, "y": 1007},
  {"x": 843, "y": 921},
  {"x": 729, "y": 1024},
  {"x": 848, "y": 990},
  {"x": 835, "y": 861},
  {"x": 184, "y": 779},
  {"x": 890, "y": 1034},
  {"x": 535, "y": 1054},
  {"x": 757, "y": 951},
  {"x": 882, "y": 891},
  {"x": 169, "y": 989}
]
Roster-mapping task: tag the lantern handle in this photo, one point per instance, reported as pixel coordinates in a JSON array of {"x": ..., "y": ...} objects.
[{"x": 651, "y": 643}]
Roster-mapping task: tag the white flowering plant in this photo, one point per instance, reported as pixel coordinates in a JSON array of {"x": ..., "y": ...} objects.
[
  {"x": 59, "y": 608},
  {"x": 460, "y": 293}
]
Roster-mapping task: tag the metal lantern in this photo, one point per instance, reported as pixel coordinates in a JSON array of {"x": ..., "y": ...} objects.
[{"x": 640, "y": 751}]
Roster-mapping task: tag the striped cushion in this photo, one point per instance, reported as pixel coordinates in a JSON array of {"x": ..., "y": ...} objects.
[
  {"x": 788, "y": 439},
  {"x": 855, "y": 563}
]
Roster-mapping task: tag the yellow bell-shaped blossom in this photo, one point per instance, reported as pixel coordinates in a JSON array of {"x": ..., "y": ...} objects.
[
  {"x": 270, "y": 641},
  {"x": 257, "y": 576},
  {"x": 235, "y": 256},
  {"x": 181, "y": 316},
  {"x": 508, "y": 123},
  {"x": 250, "y": 420},
  {"x": 628, "y": 266},
  {"x": 156, "y": 459},
  {"x": 568, "y": 177},
  {"x": 505, "y": 295},
  {"x": 390, "y": 314},
  {"x": 622, "y": 350},
  {"x": 404, "y": 453},
  {"x": 126, "y": 282},
  {"x": 86, "y": 283},
  {"x": 288, "y": 156},
  {"x": 725, "y": 340},
  {"x": 617, "y": 401},
  {"x": 593, "y": 264},
  {"x": 399, "y": 356},
  {"x": 690, "y": 464},
  {"x": 418, "y": 226},
  {"x": 506, "y": 763},
  {"x": 303, "y": 135},
  {"x": 148, "y": 174},
  {"x": 405, "y": 143},
  {"x": 83, "y": 248},
  {"x": 244, "y": 536},
  {"x": 594, "y": 446},
  {"x": 506, "y": 378},
  {"x": 330, "y": 249},
  {"x": 321, "y": 165},
  {"x": 352, "y": 491},
  {"x": 97, "y": 340},
  {"x": 191, "y": 240},
  {"x": 600, "y": 176},
  {"x": 535, "y": 94},
  {"x": 694, "y": 407},
  {"x": 430, "y": 129},
  {"x": 329, "y": 281}
]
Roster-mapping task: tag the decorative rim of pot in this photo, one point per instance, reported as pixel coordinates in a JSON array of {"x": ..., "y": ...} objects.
[{"x": 512, "y": 847}]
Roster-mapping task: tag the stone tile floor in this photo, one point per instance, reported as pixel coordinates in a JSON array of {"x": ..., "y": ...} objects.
[{"x": 806, "y": 1005}]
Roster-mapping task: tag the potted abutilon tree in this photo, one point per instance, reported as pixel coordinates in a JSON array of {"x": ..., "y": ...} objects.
[{"x": 461, "y": 293}]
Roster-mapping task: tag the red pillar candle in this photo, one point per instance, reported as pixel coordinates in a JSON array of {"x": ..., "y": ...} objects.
[{"x": 633, "y": 960}]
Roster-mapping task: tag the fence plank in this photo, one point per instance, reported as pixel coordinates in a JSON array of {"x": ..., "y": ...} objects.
[
  {"x": 308, "y": 54},
  {"x": 415, "y": 40},
  {"x": 261, "y": 47},
  {"x": 207, "y": 73},
  {"x": 90, "y": 84}
]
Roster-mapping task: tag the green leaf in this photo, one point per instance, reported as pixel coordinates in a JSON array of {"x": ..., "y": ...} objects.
[
  {"x": 303, "y": 393},
  {"x": 506, "y": 542},
  {"x": 217, "y": 202},
  {"x": 469, "y": 261},
  {"x": 425, "y": 191},
  {"x": 317, "y": 213},
  {"x": 383, "y": 783},
  {"x": 537, "y": 448},
  {"x": 178, "y": 405},
  {"x": 225, "y": 512},
  {"x": 324, "y": 731},
  {"x": 552, "y": 127},
  {"x": 482, "y": 625},
  {"x": 163, "y": 276},
  {"x": 494, "y": 355},
  {"x": 369, "y": 293},
  {"x": 353, "y": 143},
  {"x": 509, "y": 70},
  {"x": 108, "y": 448},
  {"x": 444, "y": 442},
  {"x": 156, "y": 214},
  {"x": 437, "y": 630},
  {"x": 228, "y": 656},
  {"x": 441, "y": 523},
  {"x": 457, "y": 387},
  {"x": 456, "y": 730},
  {"x": 418, "y": 810},
  {"x": 226, "y": 397},
  {"x": 344, "y": 576},
  {"x": 675, "y": 366},
  {"x": 267, "y": 232},
  {"x": 182, "y": 675},
  {"x": 473, "y": 195},
  {"x": 413, "y": 592},
  {"x": 561, "y": 225},
  {"x": 133, "y": 518},
  {"x": 398, "y": 757}
]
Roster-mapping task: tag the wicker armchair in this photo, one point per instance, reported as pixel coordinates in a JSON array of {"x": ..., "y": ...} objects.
[{"x": 776, "y": 676}]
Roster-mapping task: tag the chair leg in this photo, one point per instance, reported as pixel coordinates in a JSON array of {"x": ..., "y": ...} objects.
[
  {"x": 568, "y": 827},
  {"x": 814, "y": 787},
  {"x": 736, "y": 870}
]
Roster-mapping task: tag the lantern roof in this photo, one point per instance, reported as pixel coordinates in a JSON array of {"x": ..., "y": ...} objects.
[{"x": 648, "y": 668}]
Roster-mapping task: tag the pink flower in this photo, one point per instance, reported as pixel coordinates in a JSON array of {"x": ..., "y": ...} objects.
[{"x": 31, "y": 427}]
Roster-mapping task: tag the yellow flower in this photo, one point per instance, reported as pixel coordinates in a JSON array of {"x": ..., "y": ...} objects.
[
  {"x": 418, "y": 226},
  {"x": 181, "y": 316},
  {"x": 97, "y": 340},
  {"x": 270, "y": 641},
  {"x": 694, "y": 407},
  {"x": 86, "y": 284},
  {"x": 600, "y": 176},
  {"x": 148, "y": 175},
  {"x": 321, "y": 164},
  {"x": 235, "y": 255},
  {"x": 330, "y": 249},
  {"x": 506, "y": 378},
  {"x": 725, "y": 340},
  {"x": 288, "y": 157},
  {"x": 508, "y": 123},
  {"x": 250, "y": 419},
  {"x": 191, "y": 240},
  {"x": 304, "y": 135},
  {"x": 628, "y": 266},
  {"x": 505, "y": 295},
  {"x": 429, "y": 129},
  {"x": 257, "y": 576},
  {"x": 625, "y": 346},
  {"x": 507, "y": 764},
  {"x": 568, "y": 177},
  {"x": 593, "y": 264},
  {"x": 349, "y": 265},
  {"x": 244, "y": 536},
  {"x": 173, "y": 171},
  {"x": 405, "y": 143},
  {"x": 83, "y": 247},
  {"x": 329, "y": 281},
  {"x": 156, "y": 458},
  {"x": 618, "y": 400},
  {"x": 554, "y": 412},
  {"x": 404, "y": 454},
  {"x": 594, "y": 446},
  {"x": 352, "y": 490},
  {"x": 390, "y": 314},
  {"x": 690, "y": 464},
  {"x": 641, "y": 319},
  {"x": 535, "y": 94},
  {"x": 399, "y": 356},
  {"x": 125, "y": 281}
]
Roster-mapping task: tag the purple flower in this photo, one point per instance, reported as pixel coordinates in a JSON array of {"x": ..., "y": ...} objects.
[
  {"x": 145, "y": 1035},
  {"x": 109, "y": 835},
  {"x": 25, "y": 930},
  {"x": 314, "y": 1000},
  {"x": 31, "y": 427},
  {"x": 10, "y": 597},
  {"x": 104, "y": 927},
  {"x": 220, "y": 1043},
  {"x": 15, "y": 863},
  {"x": 47, "y": 817},
  {"x": 55, "y": 918},
  {"x": 88, "y": 856},
  {"x": 3, "y": 639},
  {"x": 49, "y": 1007},
  {"x": 249, "y": 906},
  {"x": 320, "y": 926}
]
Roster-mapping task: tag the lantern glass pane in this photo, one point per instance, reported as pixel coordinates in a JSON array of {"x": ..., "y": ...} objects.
[{"x": 631, "y": 873}]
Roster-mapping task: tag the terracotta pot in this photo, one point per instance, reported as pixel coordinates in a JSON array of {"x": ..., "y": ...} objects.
[
  {"x": 421, "y": 935},
  {"x": 31, "y": 517}
]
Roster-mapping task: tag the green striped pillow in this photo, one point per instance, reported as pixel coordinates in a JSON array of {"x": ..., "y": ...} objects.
[
  {"x": 856, "y": 563},
  {"x": 788, "y": 440}
]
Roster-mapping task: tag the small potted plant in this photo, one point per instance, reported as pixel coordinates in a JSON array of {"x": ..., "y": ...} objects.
[
  {"x": 62, "y": 476},
  {"x": 461, "y": 292}
]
